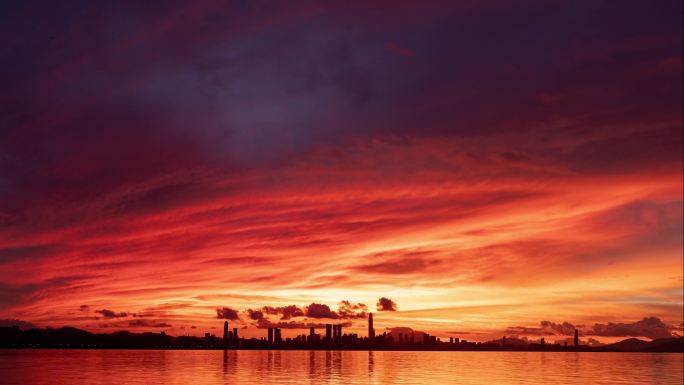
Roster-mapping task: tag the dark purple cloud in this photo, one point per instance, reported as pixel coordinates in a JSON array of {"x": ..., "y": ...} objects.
[
  {"x": 227, "y": 313},
  {"x": 386, "y": 304},
  {"x": 255, "y": 314},
  {"x": 170, "y": 88},
  {"x": 651, "y": 327},
  {"x": 285, "y": 312},
  {"x": 348, "y": 310},
  {"x": 317, "y": 310}
]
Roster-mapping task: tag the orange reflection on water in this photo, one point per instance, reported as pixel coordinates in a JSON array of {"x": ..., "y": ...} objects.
[{"x": 335, "y": 367}]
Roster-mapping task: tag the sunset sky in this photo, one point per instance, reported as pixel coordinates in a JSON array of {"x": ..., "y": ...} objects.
[{"x": 484, "y": 165}]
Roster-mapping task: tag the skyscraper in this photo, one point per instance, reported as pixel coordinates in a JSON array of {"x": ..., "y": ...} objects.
[
  {"x": 576, "y": 338},
  {"x": 312, "y": 334},
  {"x": 235, "y": 335},
  {"x": 225, "y": 332},
  {"x": 270, "y": 335},
  {"x": 371, "y": 331},
  {"x": 328, "y": 332}
]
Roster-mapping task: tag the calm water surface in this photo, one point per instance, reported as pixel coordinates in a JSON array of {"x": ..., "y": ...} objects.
[{"x": 335, "y": 367}]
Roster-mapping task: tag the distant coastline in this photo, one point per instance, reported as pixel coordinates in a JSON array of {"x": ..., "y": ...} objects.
[{"x": 73, "y": 338}]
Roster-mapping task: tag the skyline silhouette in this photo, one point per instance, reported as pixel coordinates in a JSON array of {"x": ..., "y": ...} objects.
[
  {"x": 357, "y": 319},
  {"x": 328, "y": 334},
  {"x": 331, "y": 338}
]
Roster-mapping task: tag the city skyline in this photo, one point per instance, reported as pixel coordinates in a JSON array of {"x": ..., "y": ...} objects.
[
  {"x": 332, "y": 337},
  {"x": 291, "y": 321}
]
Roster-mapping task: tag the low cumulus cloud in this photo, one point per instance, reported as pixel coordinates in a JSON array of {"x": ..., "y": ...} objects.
[
  {"x": 386, "y": 304},
  {"x": 285, "y": 312},
  {"x": 350, "y": 310},
  {"x": 227, "y": 313},
  {"x": 649, "y": 327},
  {"x": 345, "y": 310},
  {"x": 255, "y": 314},
  {"x": 565, "y": 328},
  {"x": 317, "y": 310}
]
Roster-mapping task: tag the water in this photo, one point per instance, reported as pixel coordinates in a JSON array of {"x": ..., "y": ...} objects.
[{"x": 38, "y": 367}]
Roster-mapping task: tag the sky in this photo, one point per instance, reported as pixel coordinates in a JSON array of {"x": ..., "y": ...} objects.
[{"x": 470, "y": 169}]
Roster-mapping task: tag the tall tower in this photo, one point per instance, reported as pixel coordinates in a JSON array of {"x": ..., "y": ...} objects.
[
  {"x": 270, "y": 335},
  {"x": 371, "y": 331},
  {"x": 235, "y": 335},
  {"x": 225, "y": 332},
  {"x": 328, "y": 332},
  {"x": 576, "y": 338}
]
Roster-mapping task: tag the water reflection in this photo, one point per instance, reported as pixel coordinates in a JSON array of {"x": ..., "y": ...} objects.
[
  {"x": 335, "y": 367},
  {"x": 230, "y": 362},
  {"x": 371, "y": 364}
]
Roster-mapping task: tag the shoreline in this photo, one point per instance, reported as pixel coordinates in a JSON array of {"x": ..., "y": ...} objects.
[{"x": 596, "y": 350}]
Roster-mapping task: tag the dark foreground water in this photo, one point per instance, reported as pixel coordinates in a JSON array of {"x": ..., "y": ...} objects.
[{"x": 58, "y": 367}]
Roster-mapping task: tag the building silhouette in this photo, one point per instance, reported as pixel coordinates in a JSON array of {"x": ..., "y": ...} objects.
[
  {"x": 328, "y": 332},
  {"x": 371, "y": 331},
  {"x": 400, "y": 338}
]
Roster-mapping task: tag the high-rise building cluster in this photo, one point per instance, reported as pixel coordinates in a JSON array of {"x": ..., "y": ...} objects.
[{"x": 399, "y": 337}]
